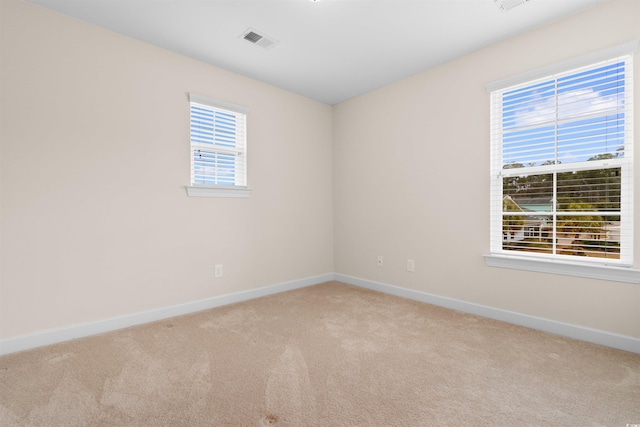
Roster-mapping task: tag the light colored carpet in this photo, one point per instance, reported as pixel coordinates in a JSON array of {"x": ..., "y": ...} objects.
[{"x": 327, "y": 355}]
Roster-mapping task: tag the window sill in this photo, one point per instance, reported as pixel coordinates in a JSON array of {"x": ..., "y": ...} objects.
[
  {"x": 218, "y": 191},
  {"x": 605, "y": 272}
]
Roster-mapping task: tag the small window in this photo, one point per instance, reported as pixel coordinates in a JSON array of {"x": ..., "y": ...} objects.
[
  {"x": 218, "y": 141},
  {"x": 562, "y": 166}
]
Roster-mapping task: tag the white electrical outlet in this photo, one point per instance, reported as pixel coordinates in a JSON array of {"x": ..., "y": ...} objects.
[
  {"x": 380, "y": 261},
  {"x": 411, "y": 265},
  {"x": 218, "y": 271}
]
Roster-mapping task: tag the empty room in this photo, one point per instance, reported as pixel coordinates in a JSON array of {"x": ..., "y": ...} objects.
[{"x": 319, "y": 213}]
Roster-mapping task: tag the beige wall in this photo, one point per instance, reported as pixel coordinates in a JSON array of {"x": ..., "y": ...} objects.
[
  {"x": 411, "y": 180},
  {"x": 95, "y": 222},
  {"x": 95, "y": 156}
]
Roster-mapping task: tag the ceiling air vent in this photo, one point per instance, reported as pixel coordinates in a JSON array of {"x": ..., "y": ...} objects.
[
  {"x": 506, "y": 5},
  {"x": 259, "y": 38}
]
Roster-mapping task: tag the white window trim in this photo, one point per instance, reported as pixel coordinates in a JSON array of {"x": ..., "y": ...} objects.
[
  {"x": 592, "y": 271},
  {"x": 218, "y": 190},
  {"x": 554, "y": 266},
  {"x": 199, "y": 99},
  {"x": 581, "y": 61}
]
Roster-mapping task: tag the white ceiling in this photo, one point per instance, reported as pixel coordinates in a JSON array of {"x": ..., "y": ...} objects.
[{"x": 328, "y": 50}]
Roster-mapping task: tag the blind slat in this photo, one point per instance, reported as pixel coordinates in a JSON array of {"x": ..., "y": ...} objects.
[{"x": 218, "y": 144}]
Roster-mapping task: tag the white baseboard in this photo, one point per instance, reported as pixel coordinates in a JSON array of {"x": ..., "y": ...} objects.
[
  {"x": 54, "y": 336},
  {"x": 609, "y": 339}
]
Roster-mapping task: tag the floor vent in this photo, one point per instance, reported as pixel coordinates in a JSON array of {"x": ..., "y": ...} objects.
[{"x": 259, "y": 39}]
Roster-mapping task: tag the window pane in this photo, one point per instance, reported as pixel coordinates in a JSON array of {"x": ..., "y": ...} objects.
[
  {"x": 529, "y": 147},
  {"x": 526, "y": 225},
  {"x": 589, "y": 191},
  {"x": 588, "y": 139},
  {"x": 528, "y": 193},
  {"x": 527, "y": 233},
  {"x": 211, "y": 168},
  {"x": 588, "y": 213},
  {"x": 588, "y": 235}
]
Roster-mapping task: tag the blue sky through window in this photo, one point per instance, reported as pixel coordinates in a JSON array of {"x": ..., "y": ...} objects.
[{"x": 567, "y": 119}]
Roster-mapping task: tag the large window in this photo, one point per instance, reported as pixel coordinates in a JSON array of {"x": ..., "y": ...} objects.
[
  {"x": 562, "y": 165},
  {"x": 218, "y": 148}
]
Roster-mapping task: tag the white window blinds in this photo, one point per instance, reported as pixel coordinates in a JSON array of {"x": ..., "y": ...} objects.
[
  {"x": 218, "y": 143},
  {"x": 562, "y": 165}
]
